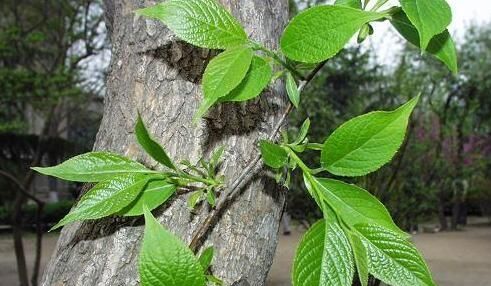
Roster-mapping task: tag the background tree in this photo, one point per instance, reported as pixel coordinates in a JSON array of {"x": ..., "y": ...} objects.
[
  {"x": 456, "y": 118},
  {"x": 43, "y": 50}
]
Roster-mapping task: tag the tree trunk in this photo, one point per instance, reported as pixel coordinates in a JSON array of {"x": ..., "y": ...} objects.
[
  {"x": 18, "y": 243},
  {"x": 155, "y": 73},
  {"x": 441, "y": 211},
  {"x": 459, "y": 189},
  {"x": 460, "y": 183},
  {"x": 436, "y": 175}
]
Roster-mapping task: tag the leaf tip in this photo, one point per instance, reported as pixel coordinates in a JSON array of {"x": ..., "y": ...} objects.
[
  {"x": 150, "y": 11},
  {"x": 454, "y": 68},
  {"x": 411, "y": 104},
  {"x": 142, "y": 12},
  {"x": 196, "y": 120},
  {"x": 57, "y": 226},
  {"x": 42, "y": 170},
  {"x": 202, "y": 110},
  {"x": 37, "y": 169}
]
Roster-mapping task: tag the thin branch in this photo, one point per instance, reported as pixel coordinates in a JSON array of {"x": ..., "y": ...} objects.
[
  {"x": 20, "y": 186},
  {"x": 253, "y": 167}
]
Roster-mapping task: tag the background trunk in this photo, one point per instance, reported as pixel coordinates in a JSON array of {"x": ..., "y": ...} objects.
[
  {"x": 442, "y": 218},
  {"x": 155, "y": 73}
]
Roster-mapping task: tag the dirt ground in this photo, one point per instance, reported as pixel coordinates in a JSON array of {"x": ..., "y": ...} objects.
[
  {"x": 456, "y": 258},
  {"x": 8, "y": 266}
]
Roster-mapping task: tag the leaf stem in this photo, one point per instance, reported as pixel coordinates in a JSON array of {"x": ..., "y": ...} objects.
[
  {"x": 252, "y": 168},
  {"x": 299, "y": 161},
  {"x": 185, "y": 176},
  {"x": 388, "y": 13},
  {"x": 315, "y": 146},
  {"x": 279, "y": 60}
]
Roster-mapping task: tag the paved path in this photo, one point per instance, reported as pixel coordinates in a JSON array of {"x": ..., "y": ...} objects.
[
  {"x": 460, "y": 258},
  {"x": 8, "y": 266},
  {"x": 456, "y": 258}
]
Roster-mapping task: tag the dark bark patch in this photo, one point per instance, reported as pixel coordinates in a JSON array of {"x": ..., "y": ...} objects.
[{"x": 189, "y": 61}]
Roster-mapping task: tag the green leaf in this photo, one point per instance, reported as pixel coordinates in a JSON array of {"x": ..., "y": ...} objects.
[
  {"x": 279, "y": 74},
  {"x": 312, "y": 188},
  {"x": 273, "y": 155},
  {"x": 194, "y": 199},
  {"x": 429, "y": 17},
  {"x": 155, "y": 193},
  {"x": 323, "y": 257},
  {"x": 93, "y": 167},
  {"x": 321, "y": 32},
  {"x": 151, "y": 146},
  {"x": 292, "y": 90},
  {"x": 441, "y": 45},
  {"x": 206, "y": 257},
  {"x": 194, "y": 168},
  {"x": 354, "y": 204},
  {"x": 216, "y": 158},
  {"x": 393, "y": 259},
  {"x": 304, "y": 130},
  {"x": 106, "y": 198},
  {"x": 224, "y": 73},
  {"x": 205, "y": 105},
  {"x": 365, "y": 31},
  {"x": 203, "y": 23},
  {"x": 165, "y": 259},
  {"x": 365, "y": 143},
  {"x": 361, "y": 258},
  {"x": 255, "y": 81},
  {"x": 349, "y": 3},
  {"x": 210, "y": 197}
]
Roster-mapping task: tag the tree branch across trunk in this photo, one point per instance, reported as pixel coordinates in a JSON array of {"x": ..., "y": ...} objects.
[
  {"x": 159, "y": 75},
  {"x": 248, "y": 173}
]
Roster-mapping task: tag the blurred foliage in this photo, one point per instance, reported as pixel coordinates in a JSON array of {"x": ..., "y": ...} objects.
[
  {"x": 481, "y": 194},
  {"x": 17, "y": 152},
  {"x": 52, "y": 213},
  {"x": 49, "y": 109},
  {"x": 43, "y": 46}
]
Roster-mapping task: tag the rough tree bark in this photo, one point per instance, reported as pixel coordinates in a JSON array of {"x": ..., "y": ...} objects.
[{"x": 154, "y": 72}]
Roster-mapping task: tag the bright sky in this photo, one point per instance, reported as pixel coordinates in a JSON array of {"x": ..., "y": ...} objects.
[{"x": 465, "y": 13}]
